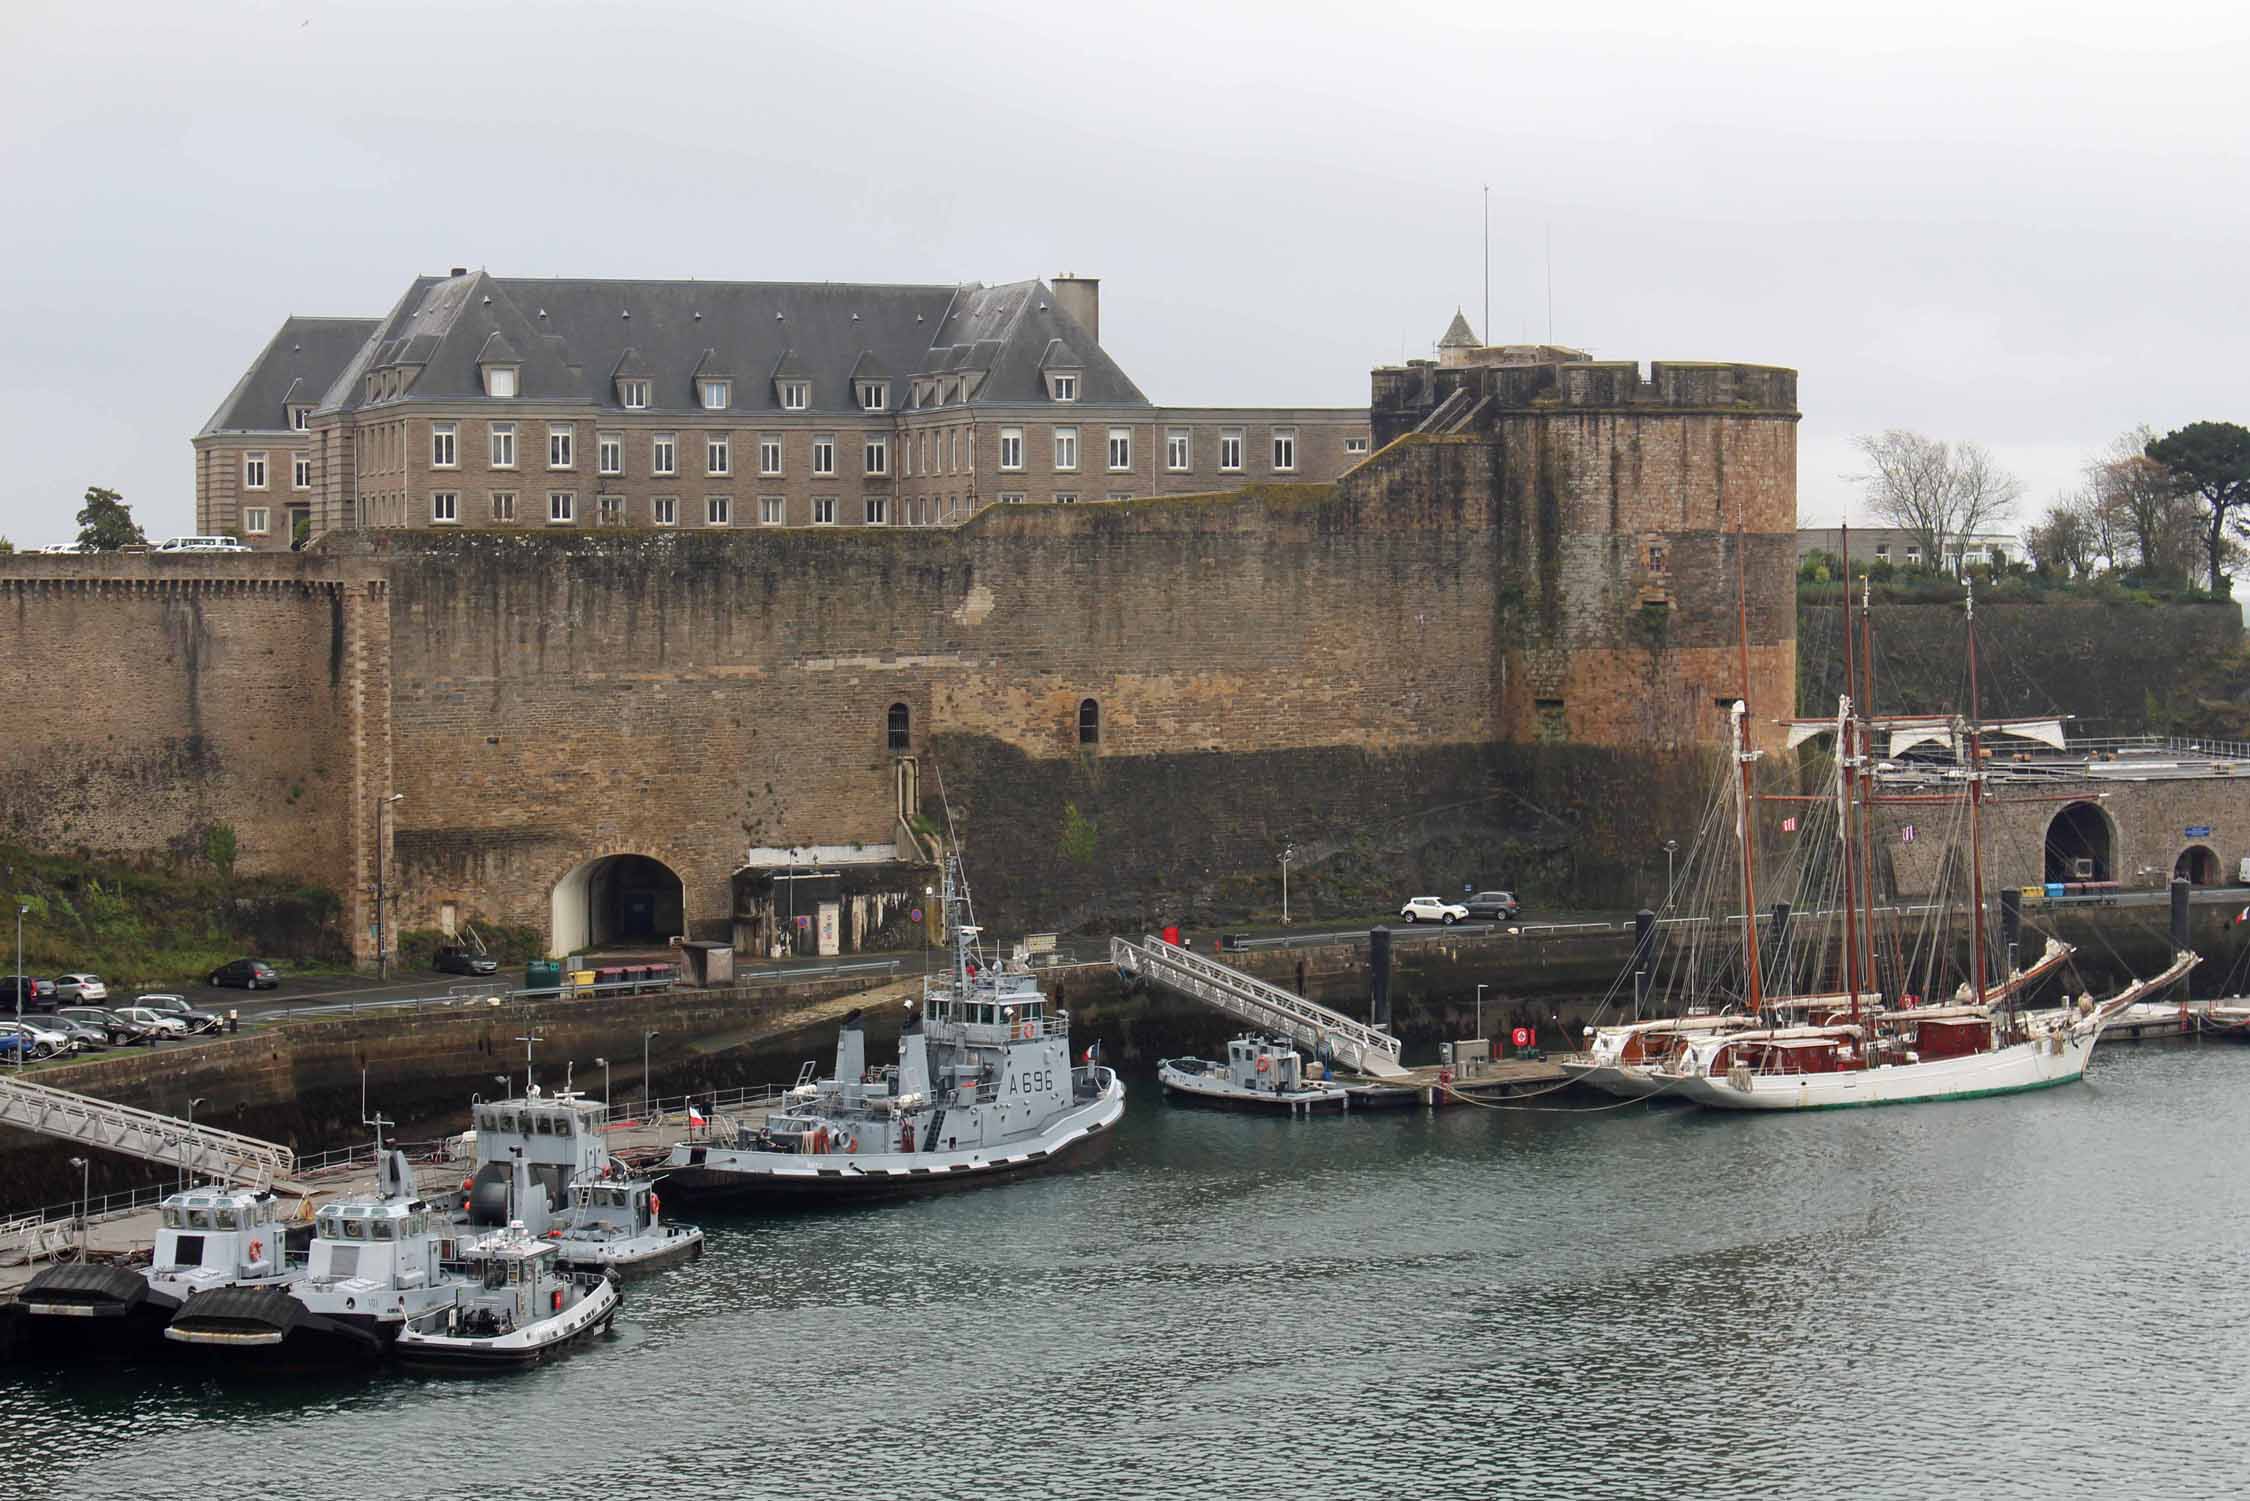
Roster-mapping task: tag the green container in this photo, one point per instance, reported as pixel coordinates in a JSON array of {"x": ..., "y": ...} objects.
[{"x": 543, "y": 974}]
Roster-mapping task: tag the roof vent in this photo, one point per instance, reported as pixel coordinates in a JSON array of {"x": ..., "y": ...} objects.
[
  {"x": 777, "y": 317},
  {"x": 542, "y": 312},
  {"x": 460, "y": 271},
  {"x": 1042, "y": 307},
  {"x": 699, "y": 317},
  {"x": 917, "y": 317},
  {"x": 625, "y": 313},
  {"x": 855, "y": 317},
  {"x": 488, "y": 301}
]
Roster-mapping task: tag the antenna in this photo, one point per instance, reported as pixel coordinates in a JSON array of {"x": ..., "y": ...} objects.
[
  {"x": 1487, "y": 325},
  {"x": 1550, "y": 281},
  {"x": 529, "y": 1037}
]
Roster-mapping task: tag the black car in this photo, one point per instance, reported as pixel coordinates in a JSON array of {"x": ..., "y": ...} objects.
[
  {"x": 1499, "y": 905},
  {"x": 462, "y": 962},
  {"x": 35, "y": 993},
  {"x": 250, "y": 974},
  {"x": 115, "y": 1027}
]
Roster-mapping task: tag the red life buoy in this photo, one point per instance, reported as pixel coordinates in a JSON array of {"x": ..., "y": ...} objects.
[
  {"x": 257, "y": 1250},
  {"x": 655, "y": 1205},
  {"x": 1264, "y": 1064},
  {"x": 554, "y": 1300}
]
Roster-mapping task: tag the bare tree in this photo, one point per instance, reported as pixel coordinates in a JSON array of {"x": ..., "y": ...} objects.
[
  {"x": 2064, "y": 542},
  {"x": 1937, "y": 490},
  {"x": 2155, "y": 517}
]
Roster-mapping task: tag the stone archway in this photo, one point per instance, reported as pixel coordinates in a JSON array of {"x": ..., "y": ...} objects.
[
  {"x": 2198, "y": 864},
  {"x": 2081, "y": 844},
  {"x": 621, "y": 899}
]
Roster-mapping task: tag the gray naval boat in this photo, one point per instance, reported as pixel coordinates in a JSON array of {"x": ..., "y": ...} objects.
[
  {"x": 1260, "y": 1073},
  {"x": 984, "y": 1089}
]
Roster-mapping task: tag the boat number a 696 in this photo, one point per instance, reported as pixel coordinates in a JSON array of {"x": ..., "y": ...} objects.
[{"x": 1033, "y": 1081}]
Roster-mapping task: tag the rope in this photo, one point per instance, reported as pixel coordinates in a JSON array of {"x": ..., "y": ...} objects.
[{"x": 1464, "y": 1099}]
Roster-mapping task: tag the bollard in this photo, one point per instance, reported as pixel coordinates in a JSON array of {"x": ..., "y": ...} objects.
[{"x": 234, "y": 1021}]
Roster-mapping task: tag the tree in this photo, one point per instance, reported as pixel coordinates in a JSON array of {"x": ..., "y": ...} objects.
[
  {"x": 2152, "y": 516},
  {"x": 2064, "y": 543},
  {"x": 1937, "y": 490},
  {"x": 2211, "y": 460},
  {"x": 6, "y": 547},
  {"x": 106, "y": 523}
]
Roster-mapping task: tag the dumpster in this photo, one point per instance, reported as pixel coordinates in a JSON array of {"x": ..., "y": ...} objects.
[{"x": 543, "y": 975}]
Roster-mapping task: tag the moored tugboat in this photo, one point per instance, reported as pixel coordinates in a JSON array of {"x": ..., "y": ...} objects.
[
  {"x": 514, "y": 1305},
  {"x": 1260, "y": 1073},
  {"x": 984, "y": 1089},
  {"x": 620, "y": 1223}
]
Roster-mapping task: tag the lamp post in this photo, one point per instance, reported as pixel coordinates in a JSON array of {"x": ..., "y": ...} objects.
[
  {"x": 1480, "y": 1011},
  {"x": 191, "y": 1104},
  {"x": 1671, "y": 848},
  {"x": 382, "y": 928},
  {"x": 1288, "y": 853},
  {"x": 85, "y": 1191},
  {"x": 529, "y": 1036},
  {"x": 604, "y": 1062},
  {"x": 22, "y": 1044},
  {"x": 646, "y": 1097}
]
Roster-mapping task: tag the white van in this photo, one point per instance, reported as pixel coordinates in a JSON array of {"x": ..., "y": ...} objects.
[{"x": 201, "y": 544}]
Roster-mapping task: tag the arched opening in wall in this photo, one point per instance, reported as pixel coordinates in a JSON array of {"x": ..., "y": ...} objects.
[
  {"x": 1089, "y": 722},
  {"x": 617, "y": 901},
  {"x": 2198, "y": 865},
  {"x": 2079, "y": 847},
  {"x": 898, "y": 731}
]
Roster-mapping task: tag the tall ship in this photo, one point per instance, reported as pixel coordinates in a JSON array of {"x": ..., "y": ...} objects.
[{"x": 984, "y": 1089}]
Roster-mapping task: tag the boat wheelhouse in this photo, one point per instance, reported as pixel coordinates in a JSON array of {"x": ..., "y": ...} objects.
[{"x": 620, "y": 1223}]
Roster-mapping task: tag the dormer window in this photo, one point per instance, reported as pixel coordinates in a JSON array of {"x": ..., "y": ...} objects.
[
  {"x": 796, "y": 395},
  {"x": 874, "y": 395},
  {"x": 717, "y": 395},
  {"x": 632, "y": 394},
  {"x": 500, "y": 381},
  {"x": 300, "y": 417},
  {"x": 1062, "y": 385}
]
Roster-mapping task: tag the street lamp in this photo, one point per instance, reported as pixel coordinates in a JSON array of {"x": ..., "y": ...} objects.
[
  {"x": 191, "y": 1104},
  {"x": 1480, "y": 1011},
  {"x": 1288, "y": 853},
  {"x": 646, "y": 1097},
  {"x": 85, "y": 1191},
  {"x": 382, "y": 929},
  {"x": 22, "y": 1045},
  {"x": 1671, "y": 848},
  {"x": 604, "y": 1062}
]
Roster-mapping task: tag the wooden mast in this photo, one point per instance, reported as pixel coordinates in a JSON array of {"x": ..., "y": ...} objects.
[
  {"x": 1867, "y": 797},
  {"x": 1976, "y": 803},
  {"x": 1846, "y": 813},
  {"x": 1744, "y": 822}
]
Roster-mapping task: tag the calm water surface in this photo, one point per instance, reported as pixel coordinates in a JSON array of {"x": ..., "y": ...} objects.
[{"x": 2044, "y": 1296}]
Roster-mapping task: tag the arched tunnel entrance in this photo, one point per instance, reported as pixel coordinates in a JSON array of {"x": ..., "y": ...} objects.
[
  {"x": 2198, "y": 865},
  {"x": 617, "y": 901},
  {"x": 2079, "y": 846}
]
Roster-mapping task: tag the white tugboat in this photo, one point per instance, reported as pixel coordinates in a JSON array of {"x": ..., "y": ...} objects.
[
  {"x": 212, "y": 1240},
  {"x": 513, "y": 1305},
  {"x": 1260, "y": 1073},
  {"x": 620, "y": 1223},
  {"x": 983, "y": 1089}
]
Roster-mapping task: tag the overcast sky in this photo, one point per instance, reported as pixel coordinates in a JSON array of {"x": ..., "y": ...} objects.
[{"x": 2022, "y": 224}]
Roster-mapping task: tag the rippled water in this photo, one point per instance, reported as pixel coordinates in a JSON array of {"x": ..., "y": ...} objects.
[{"x": 2040, "y": 1296}]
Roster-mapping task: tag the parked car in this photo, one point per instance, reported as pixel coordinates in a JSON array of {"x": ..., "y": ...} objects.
[
  {"x": 462, "y": 962},
  {"x": 250, "y": 974},
  {"x": 12, "y": 1045},
  {"x": 80, "y": 986},
  {"x": 176, "y": 1006},
  {"x": 35, "y": 993},
  {"x": 1433, "y": 909},
  {"x": 42, "y": 1041},
  {"x": 1494, "y": 904},
  {"x": 160, "y": 1025},
  {"x": 84, "y": 1036},
  {"x": 202, "y": 544},
  {"x": 116, "y": 1028}
]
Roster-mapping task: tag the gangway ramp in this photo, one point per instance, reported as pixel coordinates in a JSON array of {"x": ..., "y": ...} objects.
[
  {"x": 199, "y": 1151},
  {"x": 1352, "y": 1043}
]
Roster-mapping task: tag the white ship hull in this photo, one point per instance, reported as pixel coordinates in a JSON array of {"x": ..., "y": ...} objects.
[
  {"x": 1205, "y": 1089},
  {"x": 528, "y": 1345},
  {"x": 2014, "y": 1069},
  {"x": 1626, "y": 1082}
]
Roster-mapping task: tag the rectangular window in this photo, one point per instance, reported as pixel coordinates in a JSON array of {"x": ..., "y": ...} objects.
[
  {"x": 953, "y": 451},
  {"x": 503, "y": 505},
  {"x": 906, "y": 457},
  {"x": 1355, "y": 445},
  {"x": 772, "y": 510},
  {"x": 254, "y": 469},
  {"x": 503, "y": 444},
  {"x": 718, "y": 453},
  {"x": 665, "y": 510},
  {"x": 769, "y": 453},
  {"x": 1065, "y": 387},
  {"x": 1230, "y": 451},
  {"x": 1011, "y": 448},
  {"x": 609, "y": 453},
  {"x": 824, "y": 453},
  {"x": 1176, "y": 450},
  {"x": 255, "y": 520},
  {"x": 1284, "y": 449},
  {"x": 878, "y": 454},
  {"x": 1066, "y": 448},
  {"x": 1118, "y": 495},
  {"x": 633, "y": 394},
  {"x": 1011, "y": 497},
  {"x": 796, "y": 395},
  {"x": 878, "y": 510},
  {"x": 300, "y": 418},
  {"x": 562, "y": 507},
  {"x": 500, "y": 381},
  {"x": 445, "y": 506},
  {"x": 874, "y": 395},
  {"x": 1066, "y": 497},
  {"x": 717, "y": 394},
  {"x": 443, "y": 453},
  {"x": 558, "y": 446},
  {"x": 663, "y": 454},
  {"x": 609, "y": 510},
  {"x": 824, "y": 510},
  {"x": 716, "y": 509},
  {"x": 300, "y": 471},
  {"x": 1120, "y": 449}
]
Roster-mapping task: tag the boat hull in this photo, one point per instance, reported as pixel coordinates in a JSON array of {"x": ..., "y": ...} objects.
[
  {"x": 79, "y": 1311},
  {"x": 274, "y": 1328},
  {"x": 2015, "y": 1069},
  {"x": 530, "y": 1345},
  {"x": 1189, "y": 1089},
  {"x": 633, "y": 1257},
  {"x": 722, "y": 1174},
  {"x": 1635, "y": 1083}
]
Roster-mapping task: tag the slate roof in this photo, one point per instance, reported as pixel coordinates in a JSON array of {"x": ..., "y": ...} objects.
[
  {"x": 299, "y": 364},
  {"x": 1458, "y": 334},
  {"x": 574, "y": 337}
]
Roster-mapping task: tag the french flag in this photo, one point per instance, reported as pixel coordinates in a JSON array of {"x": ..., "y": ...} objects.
[
  {"x": 694, "y": 1116},
  {"x": 1094, "y": 1050}
]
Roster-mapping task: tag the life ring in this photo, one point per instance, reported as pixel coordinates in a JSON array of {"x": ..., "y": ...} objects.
[
  {"x": 1264, "y": 1064},
  {"x": 819, "y": 1140},
  {"x": 554, "y": 1300},
  {"x": 1029, "y": 1031},
  {"x": 555, "y": 1234},
  {"x": 655, "y": 1205},
  {"x": 257, "y": 1250}
]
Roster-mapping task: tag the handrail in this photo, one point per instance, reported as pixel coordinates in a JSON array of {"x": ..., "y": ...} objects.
[{"x": 1357, "y": 1044}]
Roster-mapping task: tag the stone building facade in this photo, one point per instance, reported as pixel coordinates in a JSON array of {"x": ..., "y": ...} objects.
[{"x": 482, "y": 402}]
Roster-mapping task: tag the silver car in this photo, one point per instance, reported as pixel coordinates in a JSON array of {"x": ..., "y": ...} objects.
[
  {"x": 81, "y": 986},
  {"x": 157, "y": 1022}
]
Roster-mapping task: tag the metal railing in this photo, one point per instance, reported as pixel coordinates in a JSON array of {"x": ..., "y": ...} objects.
[
  {"x": 1352, "y": 1042},
  {"x": 199, "y": 1150}
]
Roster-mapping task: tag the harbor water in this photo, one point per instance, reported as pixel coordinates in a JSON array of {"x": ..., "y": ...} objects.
[{"x": 2031, "y": 1297}]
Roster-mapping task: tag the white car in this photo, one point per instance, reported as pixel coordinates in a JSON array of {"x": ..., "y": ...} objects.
[
  {"x": 158, "y": 1022},
  {"x": 201, "y": 544},
  {"x": 1433, "y": 909},
  {"x": 83, "y": 987},
  {"x": 45, "y": 1042}
]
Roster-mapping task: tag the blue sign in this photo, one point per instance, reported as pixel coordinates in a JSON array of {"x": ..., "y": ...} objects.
[{"x": 2199, "y": 831}]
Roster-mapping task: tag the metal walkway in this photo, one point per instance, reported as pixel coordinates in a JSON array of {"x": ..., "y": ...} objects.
[
  {"x": 199, "y": 1151},
  {"x": 1353, "y": 1044}
]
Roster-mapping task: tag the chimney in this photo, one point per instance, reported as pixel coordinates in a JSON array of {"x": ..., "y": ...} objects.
[
  {"x": 1081, "y": 297},
  {"x": 460, "y": 271}
]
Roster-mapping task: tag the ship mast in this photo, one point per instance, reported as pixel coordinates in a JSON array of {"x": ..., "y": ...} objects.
[
  {"x": 1976, "y": 803},
  {"x": 1847, "y": 761},
  {"x": 1869, "y": 788},
  {"x": 1744, "y": 830}
]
